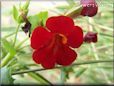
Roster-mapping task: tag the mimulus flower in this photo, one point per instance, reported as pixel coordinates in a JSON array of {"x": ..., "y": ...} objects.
[{"x": 52, "y": 44}]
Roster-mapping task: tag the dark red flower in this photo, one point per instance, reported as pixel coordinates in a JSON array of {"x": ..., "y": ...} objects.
[
  {"x": 90, "y": 8},
  {"x": 90, "y": 37},
  {"x": 52, "y": 43}
]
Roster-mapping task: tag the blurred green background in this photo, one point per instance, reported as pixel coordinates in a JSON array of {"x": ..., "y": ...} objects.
[{"x": 102, "y": 23}]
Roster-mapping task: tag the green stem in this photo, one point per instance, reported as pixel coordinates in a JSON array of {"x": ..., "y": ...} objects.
[
  {"x": 16, "y": 34},
  {"x": 22, "y": 42},
  {"x": 11, "y": 61},
  {"x": 8, "y": 35},
  {"x": 62, "y": 76},
  {"x": 74, "y": 12},
  {"x": 105, "y": 46},
  {"x": 23, "y": 47},
  {"x": 81, "y": 63},
  {"x": 103, "y": 34},
  {"x": 106, "y": 35}
]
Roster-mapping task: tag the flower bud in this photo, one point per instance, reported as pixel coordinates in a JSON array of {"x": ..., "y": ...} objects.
[
  {"x": 90, "y": 37},
  {"x": 90, "y": 8}
]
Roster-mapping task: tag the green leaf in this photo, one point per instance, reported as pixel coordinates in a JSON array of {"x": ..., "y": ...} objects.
[
  {"x": 7, "y": 45},
  {"x": 26, "y": 5},
  {"x": 15, "y": 13},
  {"x": 43, "y": 17},
  {"x": 20, "y": 19},
  {"x": 34, "y": 21},
  {"x": 6, "y": 77},
  {"x": 38, "y": 19},
  {"x": 65, "y": 73},
  {"x": 80, "y": 72}
]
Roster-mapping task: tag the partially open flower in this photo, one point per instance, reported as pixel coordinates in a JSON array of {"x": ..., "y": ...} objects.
[
  {"x": 90, "y": 37},
  {"x": 53, "y": 43},
  {"x": 90, "y": 8}
]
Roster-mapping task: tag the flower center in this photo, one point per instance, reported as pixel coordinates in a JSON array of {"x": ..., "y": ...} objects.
[
  {"x": 63, "y": 38},
  {"x": 58, "y": 40}
]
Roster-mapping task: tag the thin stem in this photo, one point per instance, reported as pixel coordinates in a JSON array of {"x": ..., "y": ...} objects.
[
  {"x": 106, "y": 35},
  {"x": 104, "y": 27},
  {"x": 23, "y": 47},
  {"x": 22, "y": 42},
  {"x": 105, "y": 46},
  {"x": 16, "y": 34},
  {"x": 81, "y": 63},
  {"x": 92, "y": 22},
  {"x": 8, "y": 35},
  {"x": 74, "y": 12},
  {"x": 103, "y": 34},
  {"x": 62, "y": 76},
  {"x": 12, "y": 60}
]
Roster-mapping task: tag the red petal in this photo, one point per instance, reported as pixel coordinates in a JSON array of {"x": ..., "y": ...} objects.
[
  {"x": 65, "y": 56},
  {"x": 60, "y": 24},
  {"x": 40, "y": 37},
  {"x": 49, "y": 63},
  {"x": 75, "y": 38},
  {"x": 39, "y": 55},
  {"x": 45, "y": 57}
]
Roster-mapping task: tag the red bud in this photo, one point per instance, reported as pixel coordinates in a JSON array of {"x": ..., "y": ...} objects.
[
  {"x": 90, "y": 37},
  {"x": 90, "y": 8}
]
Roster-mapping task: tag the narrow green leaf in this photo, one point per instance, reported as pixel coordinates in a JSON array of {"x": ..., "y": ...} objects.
[
  {"x": 26, "y": 5},
  {"x": 7, "y": 45},
  {"x": 80, "y": 72},
  {"x": 6, "y": 77},
  {"x": 15, "y": 13},
  {"x": 6, "y": 59},
  {"x": 70, "y": 2},
  {"x": 39, "y": 78}
]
